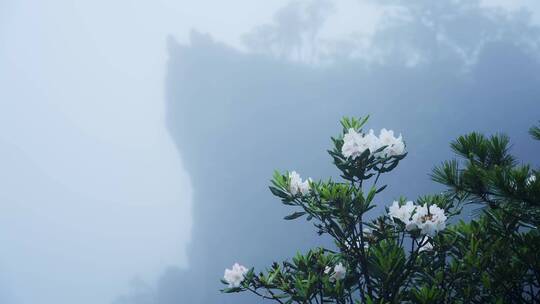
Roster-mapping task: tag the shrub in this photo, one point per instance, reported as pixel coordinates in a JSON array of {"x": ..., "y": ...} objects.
[{"x": 410, "y": 254}]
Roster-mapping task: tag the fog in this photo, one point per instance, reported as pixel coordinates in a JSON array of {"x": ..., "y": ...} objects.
[{"x": 137, "y": 139}]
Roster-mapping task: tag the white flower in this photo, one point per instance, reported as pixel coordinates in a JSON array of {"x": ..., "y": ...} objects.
[
  {"x": 373, "y": 141},
  {"x": 235, "y": 276},
  {"x": 394, "y": 145},
  {"x": 296, "y": 185},
  {"x": 531, "y": 179},
  {"x": 354, "y": 143},
  {"x": 339, "y": 272},
  {"x": 403, "y": 213},
  {"x": 429, "y": 220},
  {"x": 410, "y": 226},
  {"x": 427, "y": 246}
]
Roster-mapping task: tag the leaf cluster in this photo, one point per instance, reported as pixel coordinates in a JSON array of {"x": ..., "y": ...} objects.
[{"x": 493, "y": 258}]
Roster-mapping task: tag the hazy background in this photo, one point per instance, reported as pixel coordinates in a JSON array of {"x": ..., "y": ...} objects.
[{"x": 137, "y": 138}]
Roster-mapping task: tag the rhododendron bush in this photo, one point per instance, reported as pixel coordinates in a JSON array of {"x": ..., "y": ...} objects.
[{"x": 418, "y": 251}]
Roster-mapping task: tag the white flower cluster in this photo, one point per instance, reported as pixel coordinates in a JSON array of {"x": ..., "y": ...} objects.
[
  {"x": 235, "y": 276},
  {"x": 354, "y": 143},
  {"x": 429, "y": 220},
  {"x": 296, "y": 185},
  {"x": 339, "y": 272}
]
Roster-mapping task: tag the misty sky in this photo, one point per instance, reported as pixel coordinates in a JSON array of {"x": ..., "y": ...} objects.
[{"x": 94, "y": 192}]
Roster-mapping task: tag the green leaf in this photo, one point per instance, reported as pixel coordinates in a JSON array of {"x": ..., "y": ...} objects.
[
  {"x": 278, "y": 192},
  {"x": 294, "y": 215},
  {"x": 381, "y": 189}
]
